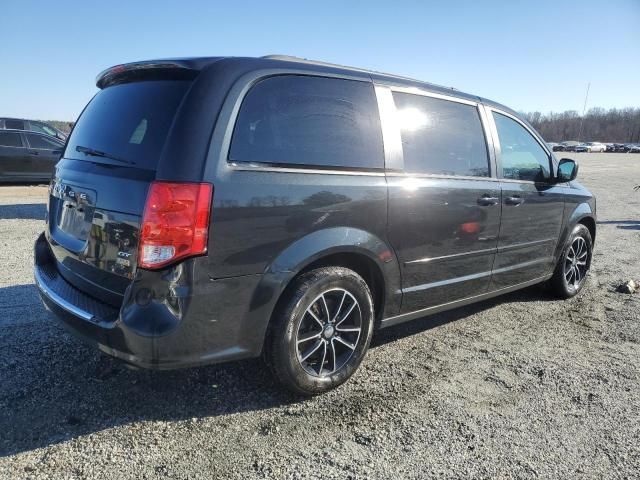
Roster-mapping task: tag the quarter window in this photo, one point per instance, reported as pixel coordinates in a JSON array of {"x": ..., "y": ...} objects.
[
  {"x": 42, "y": 142},
  {"x": 10, "y": 139},
  {"x": 441, "y": 137},
  {"x": 11, "y": 124},
  {"x": 304, "y": 120},
  {"x": 521, "y": 156}
]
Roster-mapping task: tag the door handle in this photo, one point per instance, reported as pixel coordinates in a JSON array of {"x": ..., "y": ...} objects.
[
  {"x": 487, "y": 200},
  {"x": 514, "y": 200},
  {"x": 34, "y": 153}
]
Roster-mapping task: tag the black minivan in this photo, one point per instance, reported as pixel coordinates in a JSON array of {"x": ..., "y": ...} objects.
[{"x": 213, "y": 209}]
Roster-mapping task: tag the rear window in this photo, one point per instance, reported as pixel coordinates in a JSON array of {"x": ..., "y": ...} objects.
[
  {"x": 314, "y": 121},
  {"x": 128, "y": 121}
]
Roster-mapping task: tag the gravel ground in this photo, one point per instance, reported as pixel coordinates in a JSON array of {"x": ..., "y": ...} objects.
[{"x": 520, "y": 386}]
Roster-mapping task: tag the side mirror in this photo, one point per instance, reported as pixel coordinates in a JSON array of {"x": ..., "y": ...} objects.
[{"x": 567, "y": 170}]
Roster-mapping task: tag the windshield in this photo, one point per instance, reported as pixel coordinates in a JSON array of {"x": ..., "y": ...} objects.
[{"x": 128, "y": 121}]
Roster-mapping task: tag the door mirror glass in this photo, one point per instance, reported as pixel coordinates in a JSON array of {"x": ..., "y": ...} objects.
[{"x": 567, "y": 170}]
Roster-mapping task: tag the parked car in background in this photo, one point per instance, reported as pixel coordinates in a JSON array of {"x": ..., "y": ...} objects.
[
  {"x": 610, "y": 147},
  {"x": 590, "y": 147},
  {"x": 621, "y": 147},
  {"x": 634, "y": 148},
  {"x": 31, "y": 126},
  {"x": 570, "y": 146},
  {"x": 558, "y": 147},
  {"x": 552, "y": 146},
  {"x": 583, "y": 147},
  {"x": 28, "y": 156},
  {"x": 597, "y": 147},
  {"x": 340, "y": 207}
]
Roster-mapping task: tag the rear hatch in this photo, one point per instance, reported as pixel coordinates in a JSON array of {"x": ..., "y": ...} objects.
[{"x": 97, "y": 197}]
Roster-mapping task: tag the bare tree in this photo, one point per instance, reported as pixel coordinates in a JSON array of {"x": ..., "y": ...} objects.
[{"x": 614, "y": 125}]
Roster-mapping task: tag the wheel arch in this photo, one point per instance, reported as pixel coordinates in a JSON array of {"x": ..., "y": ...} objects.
[
  {"x": 590, "y": 223},
  {"x": 363, "y": 265},
  {"x": 365, "y": 253},
  {"x": 583, "y": 214}
]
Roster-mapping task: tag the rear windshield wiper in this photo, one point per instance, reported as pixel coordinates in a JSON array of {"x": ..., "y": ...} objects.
[{"x": 98, "y": 153}]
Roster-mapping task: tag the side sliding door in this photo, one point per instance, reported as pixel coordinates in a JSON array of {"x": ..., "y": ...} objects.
[{"x": 444, "y": 198}]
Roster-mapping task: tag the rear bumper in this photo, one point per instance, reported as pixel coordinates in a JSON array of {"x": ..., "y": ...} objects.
[{"x": 185, "y": 323}]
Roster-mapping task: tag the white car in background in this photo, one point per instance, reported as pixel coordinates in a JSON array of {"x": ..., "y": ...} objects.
[{"x": 592, "y": 147}]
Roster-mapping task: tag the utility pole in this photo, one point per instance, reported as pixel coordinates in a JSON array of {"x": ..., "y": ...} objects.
[{"x": 584, "y": 109}]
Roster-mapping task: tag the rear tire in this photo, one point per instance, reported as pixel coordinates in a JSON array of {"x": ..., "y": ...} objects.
[
  {"x": 321, "y": 330},
  {"x": 573, "y": 266}
]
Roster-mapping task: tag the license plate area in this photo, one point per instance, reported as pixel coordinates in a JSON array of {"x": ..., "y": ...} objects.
[{"x": 75, "y": 210}]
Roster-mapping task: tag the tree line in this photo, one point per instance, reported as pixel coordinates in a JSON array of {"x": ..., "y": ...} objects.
[{"x": 597, "y": 125}]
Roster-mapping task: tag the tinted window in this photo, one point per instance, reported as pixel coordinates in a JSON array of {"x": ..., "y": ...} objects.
[
  {"x": 441, "y": 137},
  {"x": 42, "y": 128},
  {"x": 10, "y": 139},
  {"x": 317, "y": 121},
  {"x": 521, "y": 155},
  {"x": 10, "y": 124},
  {"x": 129, "y": 121},
  {"x": 38, "y": 141}
]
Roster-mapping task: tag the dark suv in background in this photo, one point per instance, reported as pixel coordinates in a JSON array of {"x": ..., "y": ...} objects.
[
  {"x": 31, "y": 126},
  {"x": 213, "y": 209},
  {"x": 28, "y": 156}
]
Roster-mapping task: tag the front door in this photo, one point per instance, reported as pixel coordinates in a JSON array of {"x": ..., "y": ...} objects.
[
  {"x": 532, "y": 205},
  {"x": 444, "y": 206}
]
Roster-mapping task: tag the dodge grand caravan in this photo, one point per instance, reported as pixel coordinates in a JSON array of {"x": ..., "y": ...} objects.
[{"x": 212, "y": 209}]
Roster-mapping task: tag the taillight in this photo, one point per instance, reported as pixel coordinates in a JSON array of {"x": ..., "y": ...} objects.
[{"x": 175, "y": 223}]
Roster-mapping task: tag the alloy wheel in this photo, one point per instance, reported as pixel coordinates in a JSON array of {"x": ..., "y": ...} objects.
[
  {"x": 328, "y": 333},
  {"x": 575, "y": 263}
]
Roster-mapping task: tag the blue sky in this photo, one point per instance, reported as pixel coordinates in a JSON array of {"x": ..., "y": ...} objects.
[{"x": 530, "y": 55}]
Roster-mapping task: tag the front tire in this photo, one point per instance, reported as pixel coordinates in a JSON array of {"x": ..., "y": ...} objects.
[
  {"x": 321, "y": 330},
  {"x": 571, "y": 271}
]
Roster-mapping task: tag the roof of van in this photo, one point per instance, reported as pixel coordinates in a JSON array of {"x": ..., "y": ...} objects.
[{"x": 286, "y": 61}]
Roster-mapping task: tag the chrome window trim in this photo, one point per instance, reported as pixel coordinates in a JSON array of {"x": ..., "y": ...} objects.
[
  {"x": 220, "y": 143},
  {"x": 531, "y": 182},
  {"x": 437, "y": 176},
  {"x": 254, "y": 167},
  {"x": 427, "y": 93}
]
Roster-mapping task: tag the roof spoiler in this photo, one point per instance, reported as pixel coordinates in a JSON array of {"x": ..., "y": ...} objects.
[{"x": 151, "y": 70}]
